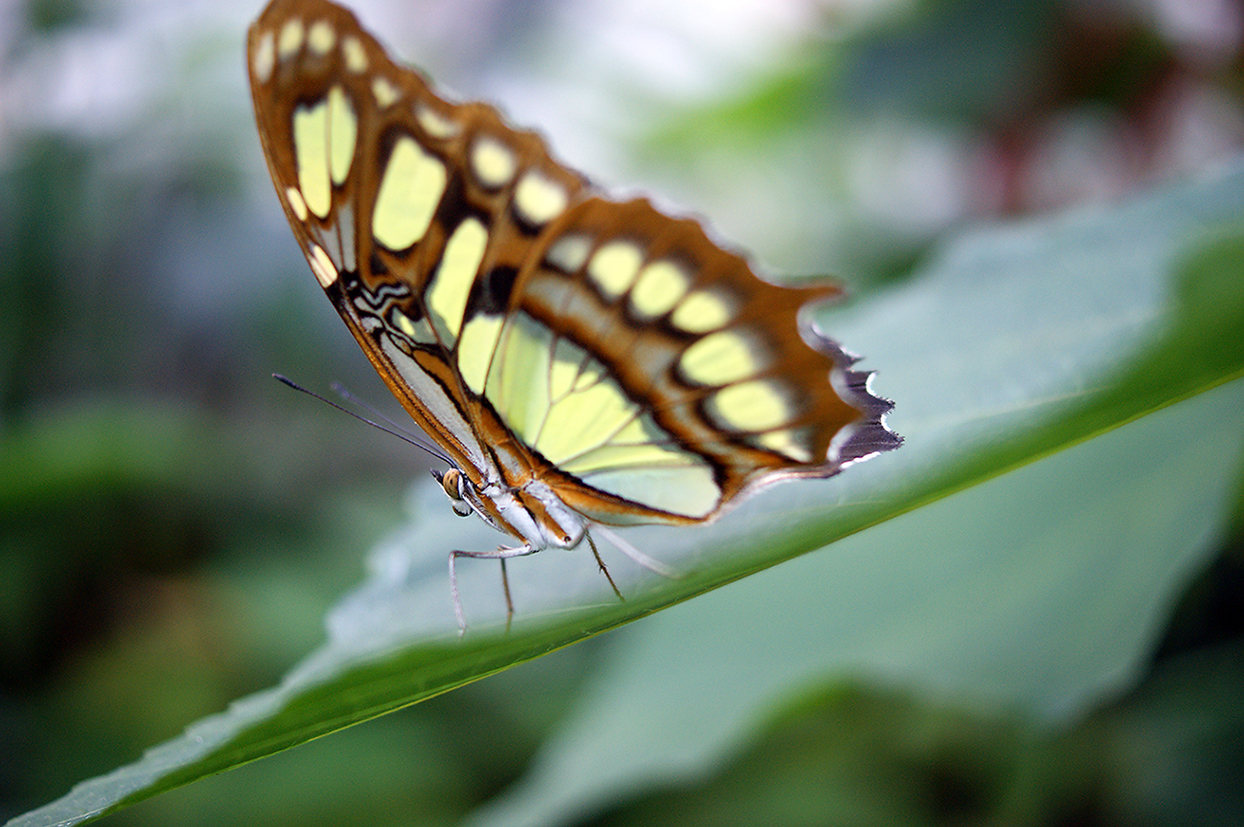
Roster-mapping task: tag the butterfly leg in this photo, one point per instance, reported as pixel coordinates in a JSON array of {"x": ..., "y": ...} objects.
[
  {"x": 635, "y": 554},
  {"x": 501, "y": 554},
  {"x": 604, "y": 570},
  {"x": 509, "y": 599}
]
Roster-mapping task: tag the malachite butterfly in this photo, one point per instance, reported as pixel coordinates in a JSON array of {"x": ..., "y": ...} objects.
[{"x": 578, "y": 361}]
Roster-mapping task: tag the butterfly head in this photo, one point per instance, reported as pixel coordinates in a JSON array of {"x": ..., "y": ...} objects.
[
  {"x": 533, "y": 513},
  {"x": 459, "y": 490}
]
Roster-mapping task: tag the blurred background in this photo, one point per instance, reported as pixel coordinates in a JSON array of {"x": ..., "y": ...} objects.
[{"x": 174, "y": 524}]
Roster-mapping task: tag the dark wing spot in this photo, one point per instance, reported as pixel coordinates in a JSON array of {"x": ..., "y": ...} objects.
[
  {"x": 491, "y": 292},
  {"x": 376, "y": 265},
  {"x": 454, "y": 207}
]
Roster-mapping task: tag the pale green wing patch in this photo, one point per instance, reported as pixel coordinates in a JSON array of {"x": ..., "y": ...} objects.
[{"x": 562, "y": 402}]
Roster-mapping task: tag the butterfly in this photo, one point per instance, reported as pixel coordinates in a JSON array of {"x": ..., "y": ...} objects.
[{"x": 577, "y": 361}]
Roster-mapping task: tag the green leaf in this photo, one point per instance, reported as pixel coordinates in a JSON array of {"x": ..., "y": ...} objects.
[{"x": 1016, "y": 342}]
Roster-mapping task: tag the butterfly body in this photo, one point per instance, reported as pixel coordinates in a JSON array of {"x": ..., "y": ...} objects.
[{"x": 577, "y": 360}]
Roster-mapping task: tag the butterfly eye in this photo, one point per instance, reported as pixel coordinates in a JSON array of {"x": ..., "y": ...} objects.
[{"x": 453, "y": 481}]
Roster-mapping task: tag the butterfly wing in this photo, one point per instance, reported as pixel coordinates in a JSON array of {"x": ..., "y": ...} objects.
[
  {"x": 584, "y": 351},
  {"x": 670, "y": 380},
  {"x": 361, "y": 153}
]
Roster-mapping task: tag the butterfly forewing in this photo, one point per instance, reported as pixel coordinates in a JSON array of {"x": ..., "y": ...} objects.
[
  {"x": 556, "y": 343},
  {"x": 366, "y": 163}
]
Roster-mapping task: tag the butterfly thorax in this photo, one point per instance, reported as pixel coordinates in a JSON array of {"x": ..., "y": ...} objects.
[{"x": 533, "y": 513}]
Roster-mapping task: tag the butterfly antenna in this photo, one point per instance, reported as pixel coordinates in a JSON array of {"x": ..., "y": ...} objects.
[
  {"x": 396, "y": 430},
  {"x": 348, "y": 395}
]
